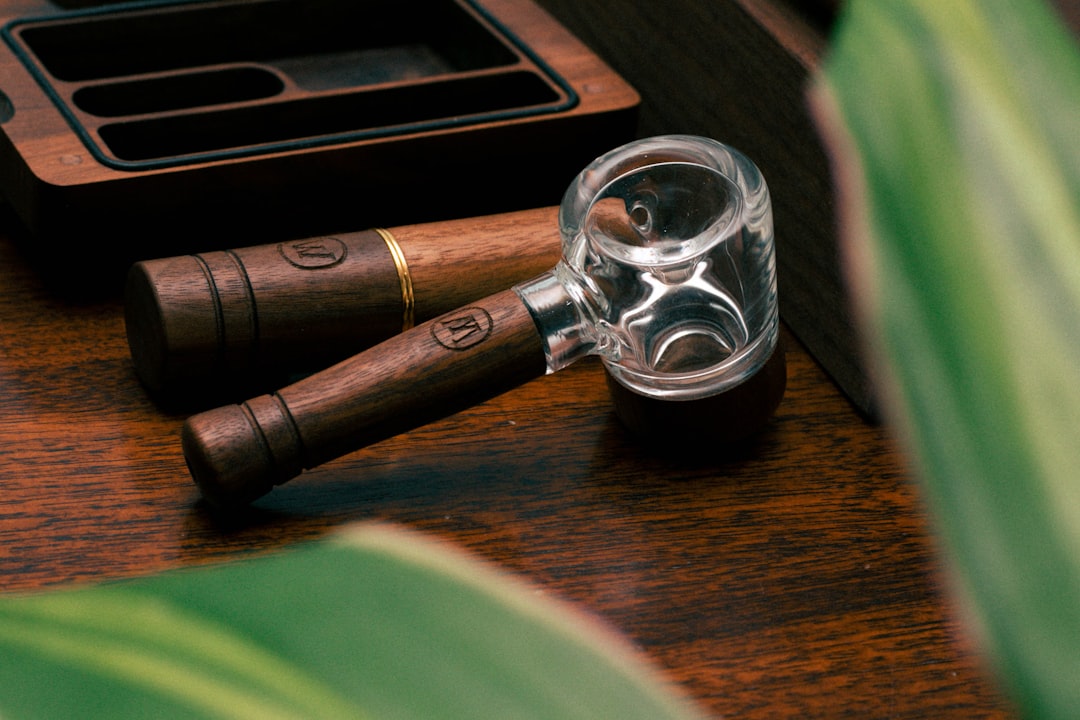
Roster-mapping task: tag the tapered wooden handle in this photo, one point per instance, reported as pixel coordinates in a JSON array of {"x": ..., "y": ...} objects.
[
  {"x": 240, "y": 452},
  {"x": 201, "y": 326}
]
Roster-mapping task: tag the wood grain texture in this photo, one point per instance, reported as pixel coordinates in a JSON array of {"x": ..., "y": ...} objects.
[
  {"x": 220, "y": 326},
  {"x": 82, "y": 209},
  {"x": 237, "y": 453},
  {"x": 798, "y": 579}
]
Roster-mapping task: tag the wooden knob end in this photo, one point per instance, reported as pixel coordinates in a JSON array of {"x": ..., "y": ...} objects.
[
  {"x": 238, "y": 453},
  {"x": 188, "y": 318},
  {"x": 149, "y": 344}
]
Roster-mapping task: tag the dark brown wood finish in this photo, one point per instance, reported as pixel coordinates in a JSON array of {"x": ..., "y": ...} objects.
[
  {"x": 205, "y": 327},
  {"x": 355, "y": 151},
  {"x": 712, "y": 424},
  {"x": 237, "y": 453},
  {"x": 796, "y": 580}
]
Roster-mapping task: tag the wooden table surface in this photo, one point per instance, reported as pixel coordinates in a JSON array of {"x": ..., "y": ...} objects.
[{"x": 799, "y": 580}]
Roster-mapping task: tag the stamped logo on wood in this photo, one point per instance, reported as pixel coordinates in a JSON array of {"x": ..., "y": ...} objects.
[
  {"x": 463, "y": 329},
  {"x": 314, "y": 253}
]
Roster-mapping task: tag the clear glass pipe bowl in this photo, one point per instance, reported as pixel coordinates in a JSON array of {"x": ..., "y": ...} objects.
[{"x": 668, "y": 269}]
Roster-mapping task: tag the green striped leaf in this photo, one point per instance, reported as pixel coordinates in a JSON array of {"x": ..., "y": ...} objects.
[
  {"x": 955, "y": 131},
  {"x": 375, "y": 623}
]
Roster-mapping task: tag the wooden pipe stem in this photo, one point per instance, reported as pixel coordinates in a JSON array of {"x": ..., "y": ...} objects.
[
  {"x": 207, "y": 324},
  {"x": 238, "y": 453}
]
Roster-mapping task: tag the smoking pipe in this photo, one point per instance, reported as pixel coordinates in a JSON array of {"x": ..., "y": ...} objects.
[
  {"x": 206, "y": 327},
  {"x": 667, "y": 273}
]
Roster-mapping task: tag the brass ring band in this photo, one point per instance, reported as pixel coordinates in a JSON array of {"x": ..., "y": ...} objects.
[{"x": 408, "y": 300}]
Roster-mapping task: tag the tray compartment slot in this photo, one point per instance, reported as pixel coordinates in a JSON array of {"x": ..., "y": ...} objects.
[
  {"x": 178, "y": 92},
  {"x": 187, "y": 36},
  {"x": 374, "y": 110}
]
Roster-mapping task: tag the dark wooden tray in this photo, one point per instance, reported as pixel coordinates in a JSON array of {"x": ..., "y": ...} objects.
[{"x": 153, "y": 128}]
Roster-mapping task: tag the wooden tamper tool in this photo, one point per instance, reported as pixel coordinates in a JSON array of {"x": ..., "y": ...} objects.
[
  {"x": 667, "y": 273},
  {"x": 211, "y": 324}
]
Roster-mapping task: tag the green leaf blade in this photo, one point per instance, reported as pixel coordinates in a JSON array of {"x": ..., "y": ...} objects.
[
  {"x": 956, "y": 149},
  {"x": 375, "y": 623},
  {"x": 151, "y": 644}
]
